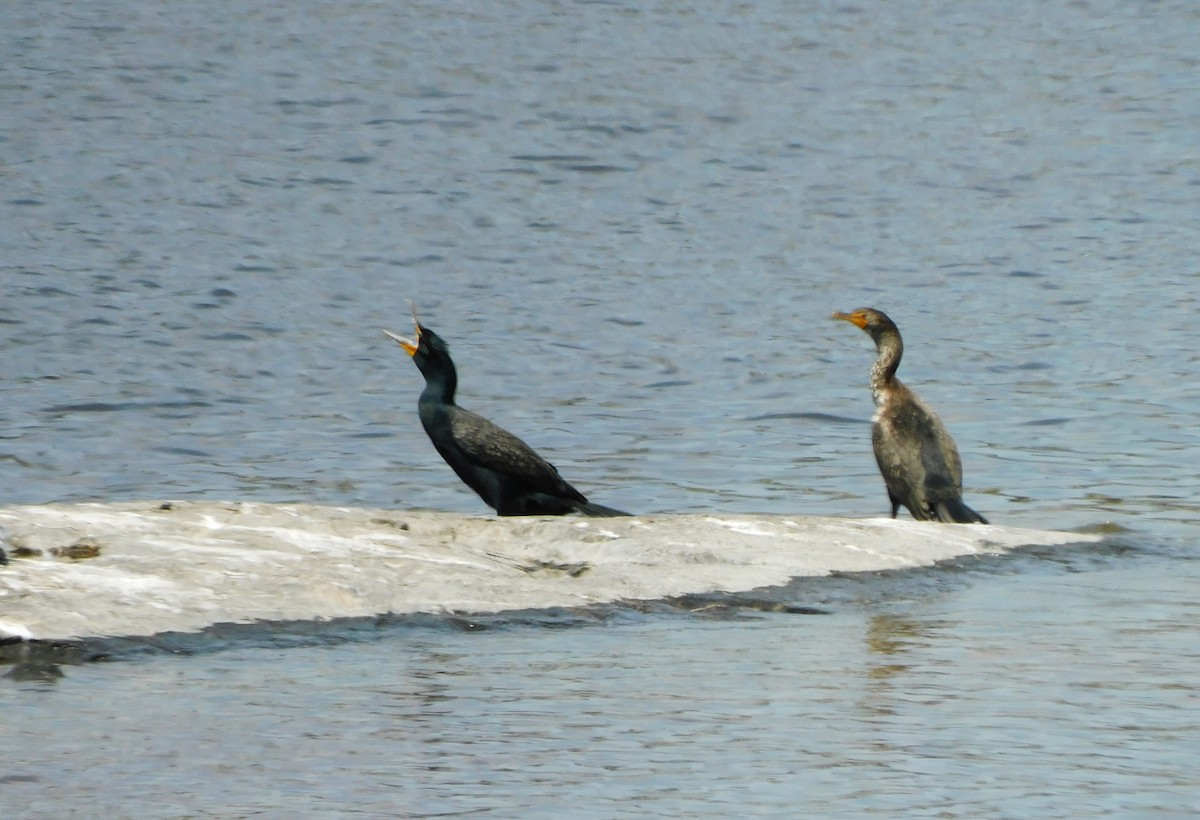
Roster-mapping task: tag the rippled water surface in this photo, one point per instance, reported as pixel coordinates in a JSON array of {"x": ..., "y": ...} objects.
[
  {"x": 632, "y": 225},
  {"x": 899, "y": 699}
]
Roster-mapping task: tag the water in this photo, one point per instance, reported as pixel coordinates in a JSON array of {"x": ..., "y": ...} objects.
[
  {"x": 900, "y": 700},
  {"x": 631, "y": 225}
]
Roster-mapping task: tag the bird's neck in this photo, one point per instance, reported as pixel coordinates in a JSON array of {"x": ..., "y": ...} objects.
[
  {"x": 883, "y": 374},
  {"x": 440, "y": 386}
]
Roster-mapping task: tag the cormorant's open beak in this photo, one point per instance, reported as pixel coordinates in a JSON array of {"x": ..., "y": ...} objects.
[
  {"x": 853, "y": 318},
  {"x": 410, "y": 347}
]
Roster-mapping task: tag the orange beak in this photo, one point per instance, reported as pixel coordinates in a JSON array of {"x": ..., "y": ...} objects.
[
  {"x": 410, "y": 347},
  {"x": 853, "y": 318}
]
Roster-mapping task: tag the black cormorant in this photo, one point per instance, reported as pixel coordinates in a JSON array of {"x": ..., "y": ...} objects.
[
  {"x": 506, "y": 472},
  {"x": 916, "y": 455}
]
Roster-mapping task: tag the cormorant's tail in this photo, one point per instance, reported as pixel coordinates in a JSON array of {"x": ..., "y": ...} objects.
[
  {"x": 598, "y": 510},
  {"x": 954, "y": 511}
]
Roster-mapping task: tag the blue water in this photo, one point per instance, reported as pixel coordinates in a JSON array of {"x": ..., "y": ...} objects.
[{"x": 632, "y": 225}]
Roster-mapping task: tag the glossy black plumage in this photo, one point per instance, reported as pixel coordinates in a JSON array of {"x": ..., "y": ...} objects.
[
  {"x": 505, "y": 471},
  {"x": 917, "y": 457}
]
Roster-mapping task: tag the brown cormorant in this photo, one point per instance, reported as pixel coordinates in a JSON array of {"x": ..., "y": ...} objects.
[
  {"x": 506, "y": 472},
  {"x": 916, "y": 455}
]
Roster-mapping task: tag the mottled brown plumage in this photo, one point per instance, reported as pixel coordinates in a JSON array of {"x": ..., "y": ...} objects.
[{"x": 915, "y": 453}]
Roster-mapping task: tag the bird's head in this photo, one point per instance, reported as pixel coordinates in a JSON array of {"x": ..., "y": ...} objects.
[
  {"x": 874, "y": 322},
  {"x": 427, "y": 349}
]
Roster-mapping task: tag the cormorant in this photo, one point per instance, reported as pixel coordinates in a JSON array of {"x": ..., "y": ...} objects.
[
  {"x": 506, "y": 472},
  {"x": 916, "y": 455}
]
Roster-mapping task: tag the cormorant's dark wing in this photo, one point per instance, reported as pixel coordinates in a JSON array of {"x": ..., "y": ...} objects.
[
  {"x": 491, "y": 446},
  {"x": 917, "y": 456},
  {"x": 901, "y": 468},
  {"x": 942, "y": 450}
]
